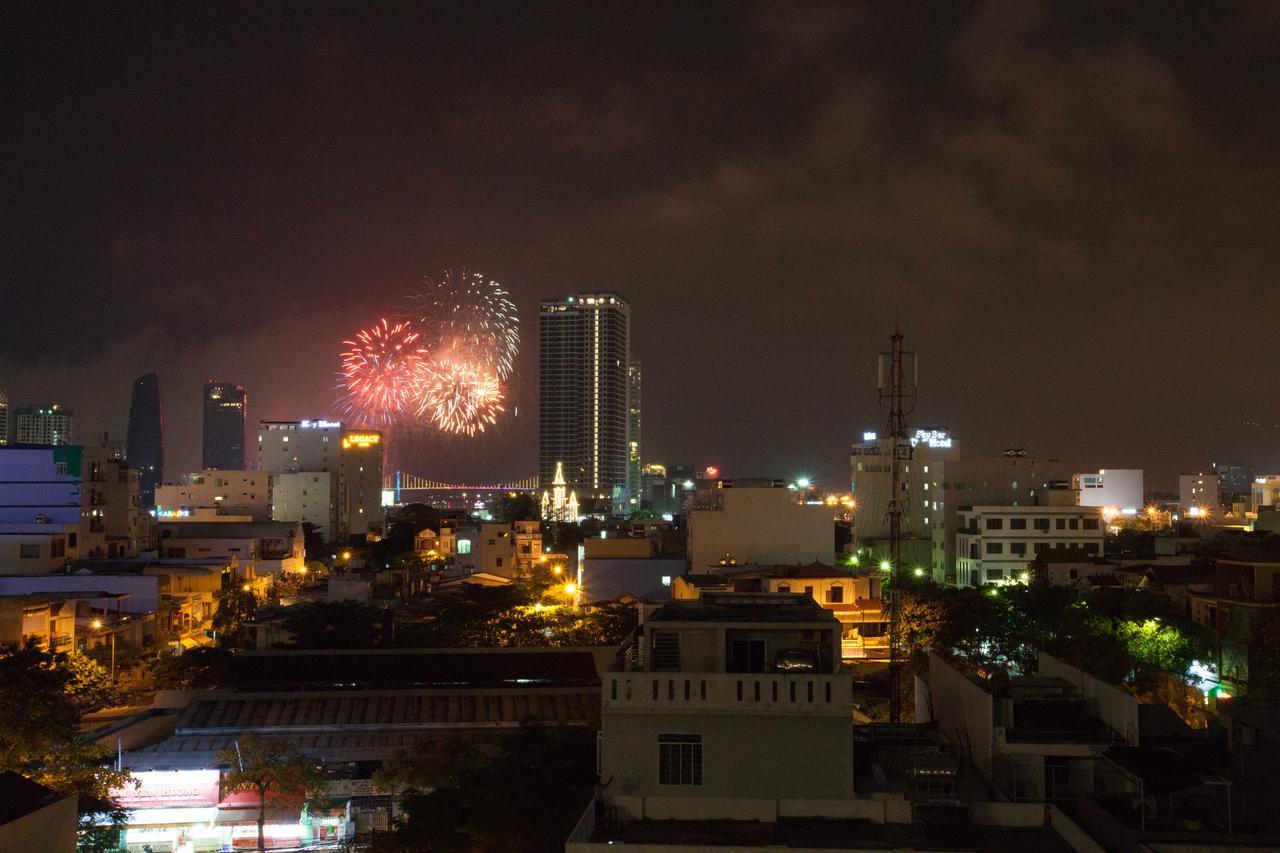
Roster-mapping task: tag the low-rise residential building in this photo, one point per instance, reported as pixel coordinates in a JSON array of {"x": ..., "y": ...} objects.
[
  {"x": 49, "y": 621},
  {"x": 1246, "y": 590},
  {"x": 34, "y": 817},
  {"x": 1264, "y": 493},
  {"x": 1035, "y": 738},
  {"x": 997, "y": 544},
  {"x": 705, "y": 677},
  {"x": 261, "y": 547},
  {"x": 228, "y": 492},
  {"x": 762, "y": 522},
  {"x": 850, "y": 594},
  {"x": 1072, "y": 567}
]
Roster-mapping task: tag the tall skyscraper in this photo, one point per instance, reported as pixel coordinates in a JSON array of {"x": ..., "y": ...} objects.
[
  {"x": 224, "y": 411},
  {"x": 584, "y": 355},
  {"x": 4, "y": 418},
  {"x": 145, "y": 439},
  {"x": 633, "y": 434},
  {"x": 50, "y": 424}
]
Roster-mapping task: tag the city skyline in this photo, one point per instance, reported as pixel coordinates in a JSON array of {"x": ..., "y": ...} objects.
[{"x": 1062, "y": 290}]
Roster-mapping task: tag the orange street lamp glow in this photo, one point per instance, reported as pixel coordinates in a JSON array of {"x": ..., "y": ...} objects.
[
  {"x": 96, "y": 624},
  {"x": 570, "y": 588}
]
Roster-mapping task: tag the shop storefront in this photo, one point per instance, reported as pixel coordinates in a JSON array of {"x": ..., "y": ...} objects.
[{"x": 184, "y": 811}]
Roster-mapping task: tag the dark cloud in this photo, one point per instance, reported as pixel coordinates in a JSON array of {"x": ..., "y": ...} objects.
[{"x": 1069, "y": 208}]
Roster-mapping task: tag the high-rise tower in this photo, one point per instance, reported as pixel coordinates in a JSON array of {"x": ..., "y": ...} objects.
[
  {"x": 4, "y": 418},
  {"x": 145, "y": 440},
  {"x": 224, "y": 411},
  {"x": 584, "y": 354},
  {"x": 633, "y": 434}
]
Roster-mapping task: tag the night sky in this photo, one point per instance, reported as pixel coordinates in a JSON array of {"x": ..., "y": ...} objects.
[{"x": 1071, "y": 210}]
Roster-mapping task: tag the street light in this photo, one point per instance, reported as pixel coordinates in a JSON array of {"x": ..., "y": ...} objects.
[{"x": 96, "y": 625}]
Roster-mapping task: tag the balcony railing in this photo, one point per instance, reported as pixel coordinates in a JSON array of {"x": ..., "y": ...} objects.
[{"x": 819, "y": 694}]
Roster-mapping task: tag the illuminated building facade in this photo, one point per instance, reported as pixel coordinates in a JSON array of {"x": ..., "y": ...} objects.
[
  {"x": 224, "y": 411},
  {"x": 354, "y": 457},
  {"x": 145, "y": 439},
  {"x": 1119, "y": 491},
  {"x": 4, "y": 418},
  {"x": 559, "y": 504},
  {"x": 50, "y": 424},
  {"x": 584, "y": 360},
  {"x": 633, "y": 434}
]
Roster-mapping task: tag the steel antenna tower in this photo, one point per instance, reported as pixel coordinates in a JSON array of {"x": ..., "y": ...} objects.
[{"x": 898, "y": 395}]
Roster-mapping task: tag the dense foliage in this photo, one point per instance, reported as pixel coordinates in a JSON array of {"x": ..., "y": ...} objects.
[
  {"x": 524, "y": 794},
  {"x": 40, "y": 706}
]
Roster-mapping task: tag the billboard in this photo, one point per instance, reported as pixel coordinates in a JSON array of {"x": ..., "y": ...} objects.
[{"x": 158, "y": 789}]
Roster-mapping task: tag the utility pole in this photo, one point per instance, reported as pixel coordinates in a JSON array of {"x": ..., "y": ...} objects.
[{"x": 899, "y": 397}]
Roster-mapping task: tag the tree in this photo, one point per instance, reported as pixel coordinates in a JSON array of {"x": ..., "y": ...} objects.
[
  {"x": 516, "y": 507},
  {"x": 525, "y": 795},
  {"x": 39, "y": 738},
  {"x": 333, "y": 625},
  {"x": 272, "y": 768},
  {"x": 197, "y": 669},
  {"x": 89, "y": 685},
  {"x": 236, "y": 604},
  {"x": 1264, "y": 658}
]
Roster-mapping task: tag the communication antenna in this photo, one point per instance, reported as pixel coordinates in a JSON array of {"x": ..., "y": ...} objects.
[{"x": 897, "y": 387}]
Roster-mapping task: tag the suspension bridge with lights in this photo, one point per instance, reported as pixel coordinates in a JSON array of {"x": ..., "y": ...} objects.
[{"x": 409, "y": 488}]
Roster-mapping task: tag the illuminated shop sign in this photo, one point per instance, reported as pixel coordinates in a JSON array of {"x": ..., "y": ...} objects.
[
  {"x": 171, "y": 512},
  {"x": 319, "y": 424},
  {"x": 160, "y": 789},
  {"x": 361, "y": 439}
]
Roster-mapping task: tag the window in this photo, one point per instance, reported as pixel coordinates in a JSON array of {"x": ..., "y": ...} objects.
[
  {"x": 1041, "y": 547},
  {"x": 995, "y": 574},
  {"x": 679, "y": 759},
  {"x": 835, "y": 595},
  {"x": 29, "y": 552},
  {"x": 746, "y": 656},
  {"x": 995, "y": 547},
  {"x": 995, "y": 524},
  {"x": 497, "y": 563},
  {"x": 808, "y": 590},
  {"x": 1091, "y": 524},
  {"x": 1075, "y": 524},
  {"x": 464, "y": 546},
  {"x": 784, "y": 588},
  {"x": 1091, "y": 548},
  {"x": 1019, "y": 548},
  {"x": 1062, "y": 523},
  {"x": 1075, "y": 574},
  {"x": 1017, "y": 524},
  {"x": 1041, "y": 523}
]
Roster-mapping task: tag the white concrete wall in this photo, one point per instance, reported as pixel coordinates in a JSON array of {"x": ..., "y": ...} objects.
[
  {"x": 963, "y": 711},
  {"x": 760, "y": 525},
  {"x": 765, "y": 756},
  {"x": 1115, "y": 707}
]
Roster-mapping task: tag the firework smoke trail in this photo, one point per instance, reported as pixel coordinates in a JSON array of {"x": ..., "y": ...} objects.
[
  {"x": 382, "y": 372},
  {"x": 470, "y": 317},
  {"x": 460, "y": 397}
]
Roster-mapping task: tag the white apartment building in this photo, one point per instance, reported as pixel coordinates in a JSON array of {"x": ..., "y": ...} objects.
[
  {"x": 924, "y": 456},
  {"x": 310, "y": 497},
  {"x": 50, "y": 424},
  {"x": 726, "y": 700},
  {"x": 1110, "y": 488},
  {"x": 354, "y": 456},
  {"x": 1198, "y": 495},
  {"x": 996, "y": 544},
  {"x": 759, "y": 522},
  {"x": 229, "y": 492}
]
